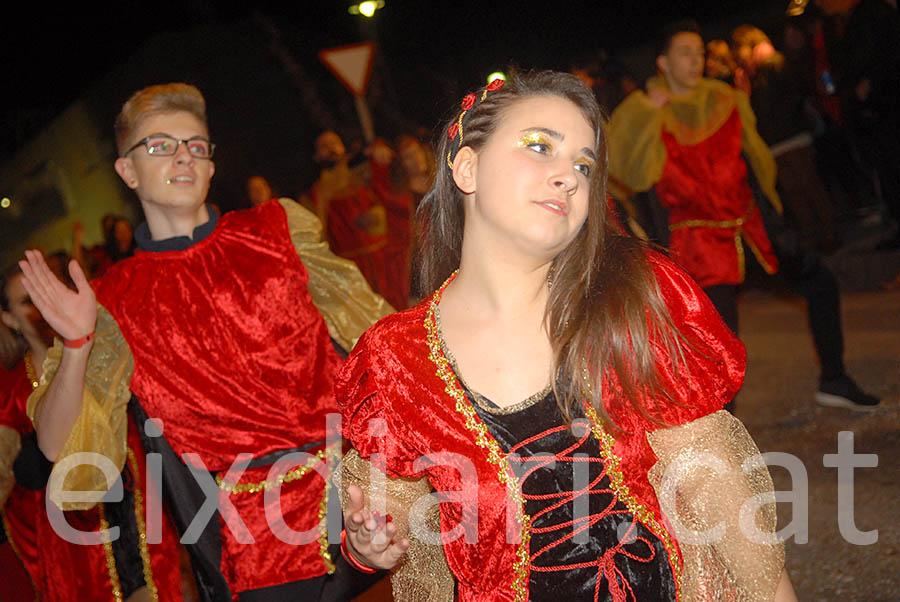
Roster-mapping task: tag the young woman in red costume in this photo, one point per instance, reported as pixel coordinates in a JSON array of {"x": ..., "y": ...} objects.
[
  {"x": 60, "y": 570},
  {"x": 544, "y": 389}
]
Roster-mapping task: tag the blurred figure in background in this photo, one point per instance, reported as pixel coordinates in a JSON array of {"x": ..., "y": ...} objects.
[
  {"x": 720, "y": 65},
  {"x": 259, "y": 190},
  {"x": 865, "y": 52},
  {"x": 119, "y": 244},
  {"x": 690, "y": 144},
  {"x": 350, "y": 201},
  {"x": 412, "y": 173},
  {"x": 786, "y": 126}
]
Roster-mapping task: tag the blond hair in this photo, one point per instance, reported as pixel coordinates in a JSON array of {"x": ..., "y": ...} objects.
[{"x": 153, "y": 100}]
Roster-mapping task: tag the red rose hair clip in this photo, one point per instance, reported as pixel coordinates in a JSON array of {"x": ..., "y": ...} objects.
[{"x": 468, "y": 102}]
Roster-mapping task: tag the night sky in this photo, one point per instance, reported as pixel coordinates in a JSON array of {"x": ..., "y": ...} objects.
[
  {"x": 429, "y": 55},
  {"x": 52, "y": 55}
]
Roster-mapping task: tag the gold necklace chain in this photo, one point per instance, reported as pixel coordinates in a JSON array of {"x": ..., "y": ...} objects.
[{"x": 30, "y": 371}]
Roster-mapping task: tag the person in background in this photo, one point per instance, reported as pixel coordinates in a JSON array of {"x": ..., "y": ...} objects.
[
  {"x": 350, "y": 202},
  {"x": 259, "y": 190},
  {"x": 783, "y": 120},
  {"x": 865, "y": 53},
  {"x": 691, "y": 144},
  {"x": 62, "y": 570}
]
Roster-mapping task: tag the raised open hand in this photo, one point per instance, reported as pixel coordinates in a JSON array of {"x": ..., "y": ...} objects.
[
  {"x": 71, "y": 314},
  {"x": 370, "y": 537}
]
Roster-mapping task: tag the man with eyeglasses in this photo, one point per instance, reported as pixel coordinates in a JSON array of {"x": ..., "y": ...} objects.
[{"x": 223, "y": 330}]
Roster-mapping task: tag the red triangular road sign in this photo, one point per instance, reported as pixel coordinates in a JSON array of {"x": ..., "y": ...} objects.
[{"x": 351, "y": 64}]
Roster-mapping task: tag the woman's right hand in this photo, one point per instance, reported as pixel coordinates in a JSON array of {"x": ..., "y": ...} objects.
[
  {"x": 368, "y": 540},
  {"x": 71, "y": 314}
]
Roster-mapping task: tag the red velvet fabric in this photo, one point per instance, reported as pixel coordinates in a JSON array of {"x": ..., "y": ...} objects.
[
  {"x": 16, "y": 585},
  {"x": 390, "y": 376},
  {"x": 62, "y": 571},
  {"x": 365, "y": 244},
  {"x": 233, "y": 356},
  {"x": 229, "y": 350},
  {"x": 708, "y": 181}
]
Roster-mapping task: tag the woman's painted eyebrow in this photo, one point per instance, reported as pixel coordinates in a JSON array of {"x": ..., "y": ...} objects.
[{"x": 557, "y": 136}]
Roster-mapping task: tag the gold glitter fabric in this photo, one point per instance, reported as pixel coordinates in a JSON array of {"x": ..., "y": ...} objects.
[
  {"x": 422, "y": 575},
  {"x": 708, "y": 470},
  {"x": 10, "y": 443},
  {"x": 102, "y": 425},
  {"x": 338, "y": 289}
]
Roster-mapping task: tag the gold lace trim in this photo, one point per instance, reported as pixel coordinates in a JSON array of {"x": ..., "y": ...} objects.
[
  {"x": 323, "y": 531},
  {"x": 483, "y": 439},
  {"x": 142, "y": 530},
  {"x": 110, "y": 558},
  {"x": 617, "y": 482}
]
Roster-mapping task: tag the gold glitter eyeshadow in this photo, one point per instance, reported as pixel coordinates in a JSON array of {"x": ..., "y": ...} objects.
[{"x": 534, "y": 138}]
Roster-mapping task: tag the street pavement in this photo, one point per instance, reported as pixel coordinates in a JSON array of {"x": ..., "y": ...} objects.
[{"x": 776, "y": 403}]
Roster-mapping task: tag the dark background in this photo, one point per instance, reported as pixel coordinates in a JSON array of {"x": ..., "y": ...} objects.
[{"x": 262, "y": 116}]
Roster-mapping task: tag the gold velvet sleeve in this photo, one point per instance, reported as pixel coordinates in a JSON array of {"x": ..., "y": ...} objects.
[
  {"x": 337, "y": 287},
  {"x": 636, "y": 152},
  {"x": 758, "y": 154},
  {"x": 10, "y": 443},
  {"x": 422, "y": 575},
  {"x": 102, "y": 425},
  {"x": 702, "y": 485}
]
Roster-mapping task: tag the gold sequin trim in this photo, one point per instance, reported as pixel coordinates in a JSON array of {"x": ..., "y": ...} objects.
[
  {"x": 31, "y": 372},
  {"x": 323, "y": 531},
  {"x": 142, "y": 529},
  {"x": 291, "y": 475},
  {"x": 110, "y": 558},
  {"x": 484, "y": 439},
  {"x": 617, "y": 482}
]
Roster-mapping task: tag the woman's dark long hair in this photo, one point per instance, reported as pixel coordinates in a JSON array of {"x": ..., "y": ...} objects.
[{"x": 605, "y": 311}]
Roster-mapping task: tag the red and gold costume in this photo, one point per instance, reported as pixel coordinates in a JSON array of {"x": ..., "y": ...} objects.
[
  {"x": 228, "y": 343},
  {"x": 358, "y": 221},
  {"x": 403, "y": 404},
  {"x": 693, "y": 150},
  {"x": 64, "y": 571}
]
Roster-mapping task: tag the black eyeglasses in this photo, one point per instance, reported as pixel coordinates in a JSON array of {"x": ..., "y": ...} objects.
[{"x": 164, "y": 145}]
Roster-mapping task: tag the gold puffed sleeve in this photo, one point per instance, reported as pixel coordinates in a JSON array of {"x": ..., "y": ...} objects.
[
  {"x": 706, "y": 472},
  {"x": 102, "y": 425},
  {"x": 10, "y": 444},
  {"x": 422, "y": 574},
  {"x": 636, "y": 151},
  {"x": 758, "y": 154},
  {"x": 337, "y": 287}
]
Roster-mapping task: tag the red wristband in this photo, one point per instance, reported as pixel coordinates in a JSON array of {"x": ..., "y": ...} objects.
[
  {"x": 351, "y": 560},
  {"x": 78, "y": 343}
]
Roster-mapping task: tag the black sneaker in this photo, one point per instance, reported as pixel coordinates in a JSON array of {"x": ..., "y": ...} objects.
[{"x": 844, "y": 393}]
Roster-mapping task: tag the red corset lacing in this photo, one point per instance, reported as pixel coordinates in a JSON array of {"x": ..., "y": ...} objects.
[{"x": 619, "y": 588}]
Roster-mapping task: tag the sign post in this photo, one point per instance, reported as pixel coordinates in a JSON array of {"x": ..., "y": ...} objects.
[{"x": 352, "y": 65}]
